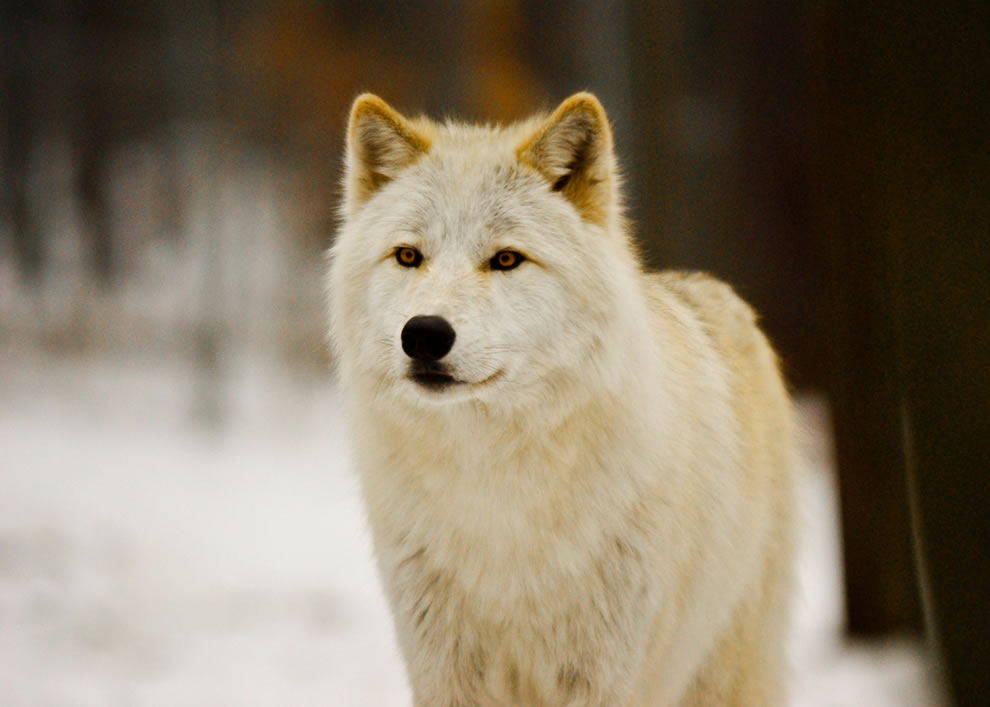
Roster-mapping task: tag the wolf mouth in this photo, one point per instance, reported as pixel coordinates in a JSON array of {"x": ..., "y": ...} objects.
[
  {"x": 434, "y": 380},
  {"x": 431, "y": 375},
  {"x": 437, "y": 378}
]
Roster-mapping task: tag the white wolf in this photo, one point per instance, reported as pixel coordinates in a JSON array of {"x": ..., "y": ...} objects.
[{"x": 578, "y": 476}]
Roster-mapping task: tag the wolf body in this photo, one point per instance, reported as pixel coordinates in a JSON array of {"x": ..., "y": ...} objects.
[{"x": 578, "y": 475}]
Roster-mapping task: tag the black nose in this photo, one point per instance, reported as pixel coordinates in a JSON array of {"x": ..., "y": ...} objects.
[{"x": 427, "y": 338}]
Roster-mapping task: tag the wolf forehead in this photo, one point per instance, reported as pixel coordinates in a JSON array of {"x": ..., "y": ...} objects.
[
  {"x": 436, "y": 197},
  {"x": 452, "y": 200},
  {"x": 480, "y": 161},
  {"x": 453, "y": 156}
]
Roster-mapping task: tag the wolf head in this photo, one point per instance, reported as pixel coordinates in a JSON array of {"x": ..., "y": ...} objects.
[{"x": 478, "y": 263}]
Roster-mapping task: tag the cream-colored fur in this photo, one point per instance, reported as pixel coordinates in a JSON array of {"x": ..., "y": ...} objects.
[{"x": 599, "y": 511}]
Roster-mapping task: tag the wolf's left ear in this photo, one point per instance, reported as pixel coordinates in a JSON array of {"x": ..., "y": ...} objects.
[
  {"x": 573, "y": 150},
  {"x": 380, "y": 144}
]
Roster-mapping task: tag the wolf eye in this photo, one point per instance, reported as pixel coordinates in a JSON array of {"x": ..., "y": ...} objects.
[
  {"x": 506, "y": 260},
  {"x": 408, "y": 257}
]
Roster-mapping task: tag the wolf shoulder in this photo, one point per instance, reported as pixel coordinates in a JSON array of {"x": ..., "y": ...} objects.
[
  {"x": 703, "y": 303},
  {"x": 713, "y": 338}
]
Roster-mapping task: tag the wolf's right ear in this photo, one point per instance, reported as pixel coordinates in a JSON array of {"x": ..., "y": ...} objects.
[
  {"x": 573, "y": 150},
  {"x": 380, "y": 144}
]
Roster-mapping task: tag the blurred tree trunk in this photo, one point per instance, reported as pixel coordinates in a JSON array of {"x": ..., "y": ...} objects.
[
  {"x": 19, "y": 137},
  {"x": 853, "y": 200},
  {"x": 905, "y": 178}
]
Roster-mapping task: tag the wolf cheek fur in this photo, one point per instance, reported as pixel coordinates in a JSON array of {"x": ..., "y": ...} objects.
[{"x": 578, "y": 476}]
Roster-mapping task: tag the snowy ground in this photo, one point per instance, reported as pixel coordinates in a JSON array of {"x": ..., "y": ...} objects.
[{"x": 153, "y": 556}]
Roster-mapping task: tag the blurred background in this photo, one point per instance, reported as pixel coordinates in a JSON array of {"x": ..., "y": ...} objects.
[{"x": 178, "y": 524}]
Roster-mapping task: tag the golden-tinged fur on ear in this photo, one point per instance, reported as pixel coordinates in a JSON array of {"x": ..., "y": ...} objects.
[
  {"x": 380, "y": 144},
  {"x": 573, "y": 150}
]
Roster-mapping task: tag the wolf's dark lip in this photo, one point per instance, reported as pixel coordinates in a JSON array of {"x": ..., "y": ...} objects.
[
  {"x": 433, "y": 380},
  {"x": 436, "y": 380}
]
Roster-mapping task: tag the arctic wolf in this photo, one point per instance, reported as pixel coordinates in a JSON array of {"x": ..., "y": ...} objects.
[{"x": 578, "y": 476}]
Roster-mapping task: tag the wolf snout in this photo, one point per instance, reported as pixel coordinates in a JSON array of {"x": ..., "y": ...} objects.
[{"x": 427, "y": 338}]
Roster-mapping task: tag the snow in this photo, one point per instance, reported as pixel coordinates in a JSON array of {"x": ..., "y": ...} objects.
[{"x": 153, "y": 556}]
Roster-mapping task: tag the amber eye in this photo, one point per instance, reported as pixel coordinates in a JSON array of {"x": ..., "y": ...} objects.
[
  {"x": 408, "y": 257},
  {"x": 506, "y": 260}
]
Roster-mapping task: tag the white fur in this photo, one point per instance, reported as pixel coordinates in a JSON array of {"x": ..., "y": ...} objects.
[{"x": 600, "y": 513}]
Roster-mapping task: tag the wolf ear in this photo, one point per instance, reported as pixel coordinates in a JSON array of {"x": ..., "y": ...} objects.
[
  {"x": 380, "y": 144},
  {"x": 572, "y": 149}
]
